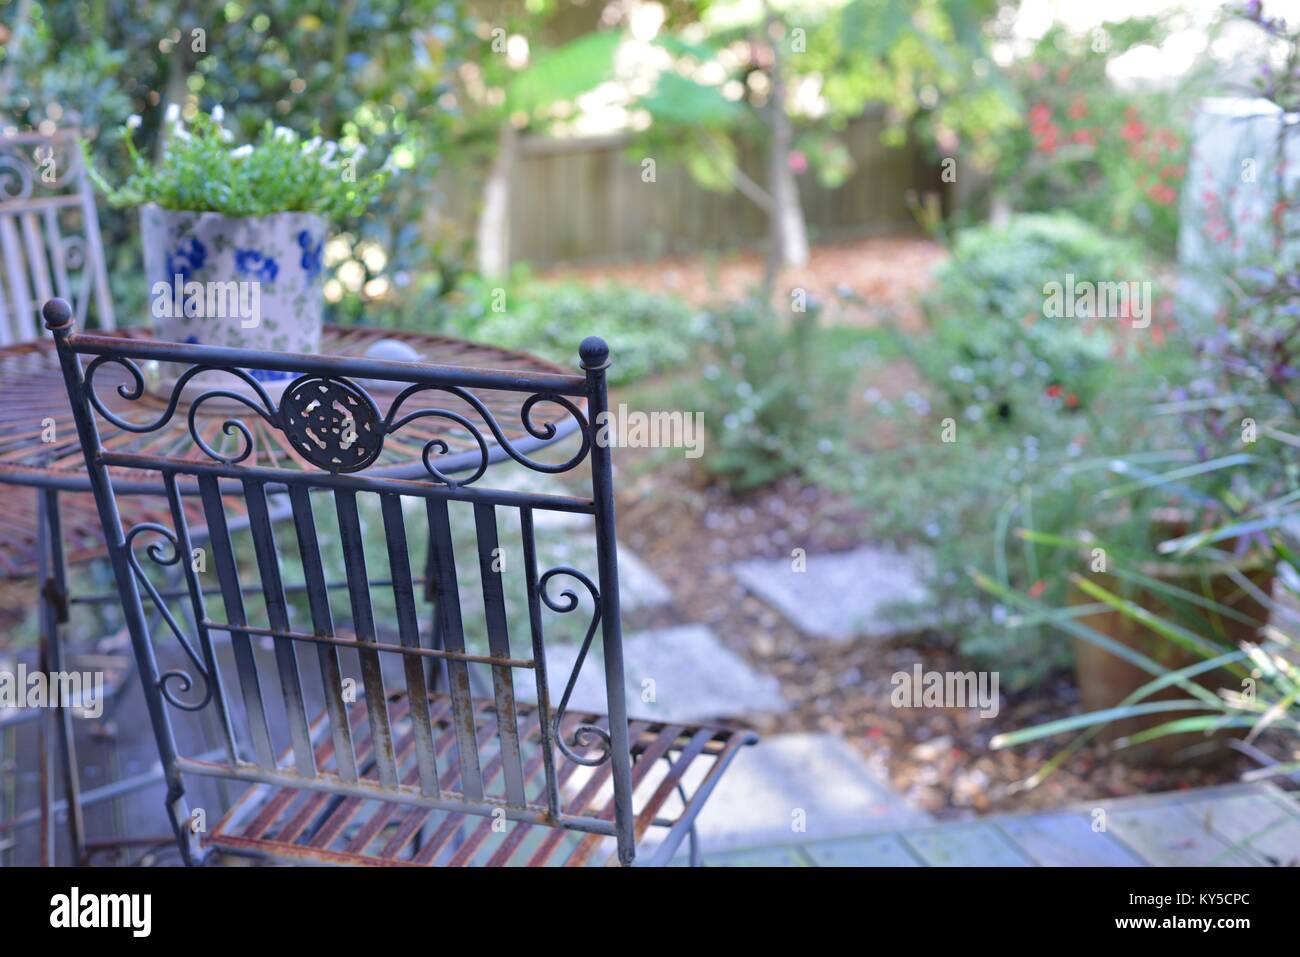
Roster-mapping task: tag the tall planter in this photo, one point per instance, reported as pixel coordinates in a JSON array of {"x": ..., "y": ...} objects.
[
  {"x": 249, "y": 283},
  {"x": 1105, "y": 680}
]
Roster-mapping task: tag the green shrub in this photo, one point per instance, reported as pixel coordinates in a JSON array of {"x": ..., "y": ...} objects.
[
  {"x": 647, "y": 332},
  {"x": 1016, "y": 425},
  {"x": 992, "y": 352},
  {"x": 768, "y": 394}
]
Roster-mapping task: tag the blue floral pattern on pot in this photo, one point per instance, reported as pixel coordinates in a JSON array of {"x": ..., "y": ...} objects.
[
  {"x": 185, "y": 259},
  {"x": 311, "y": 253},
  {"x": 270, "y": 262},
  {"x": 251, "y": 263}
]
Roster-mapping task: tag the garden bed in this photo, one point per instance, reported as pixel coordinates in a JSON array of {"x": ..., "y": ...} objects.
[{"x": 939, "y": 759}]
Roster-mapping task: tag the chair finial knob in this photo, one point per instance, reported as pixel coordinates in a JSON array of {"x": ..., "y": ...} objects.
[
  {"x": 57, "y": 314},
  {"x": 594, "y": 352}
]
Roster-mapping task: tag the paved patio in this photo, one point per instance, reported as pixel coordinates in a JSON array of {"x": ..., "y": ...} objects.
[{"x": 1243, "y": 825}]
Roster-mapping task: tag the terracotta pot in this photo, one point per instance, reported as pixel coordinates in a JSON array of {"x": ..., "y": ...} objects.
[{"x": 1105, "y": 680}]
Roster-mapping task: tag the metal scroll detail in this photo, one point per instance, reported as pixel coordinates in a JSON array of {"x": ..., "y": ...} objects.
[
  {"x": 587, "y": 736},
  {"x": 135, "y": 390},
  {"x": 334, "y": 424},
  {"x": 168, "y": 557},
  {"x": 543, "y": 431}
]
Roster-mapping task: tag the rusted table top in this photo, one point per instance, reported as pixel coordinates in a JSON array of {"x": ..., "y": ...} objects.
[{"x": 33, "y": 397}]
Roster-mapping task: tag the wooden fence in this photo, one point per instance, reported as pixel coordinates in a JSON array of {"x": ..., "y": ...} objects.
[{"x": 584, "y": 200}]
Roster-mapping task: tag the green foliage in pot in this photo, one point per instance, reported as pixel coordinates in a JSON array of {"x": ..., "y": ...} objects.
[
  {"x": 1220, "y": 685},
  {"x": 202, "y": 170}
]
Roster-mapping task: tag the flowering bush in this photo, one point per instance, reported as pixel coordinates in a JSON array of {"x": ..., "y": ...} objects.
[
  {"x": 1015, "y": 423},
  {"x": 1116, "y": 159},
  {"x": 995, "y": 355},
  {"x": 201, "y": 170}
]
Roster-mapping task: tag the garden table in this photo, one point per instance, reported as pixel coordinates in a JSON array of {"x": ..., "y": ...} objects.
[{"x": 39, "y": 449}]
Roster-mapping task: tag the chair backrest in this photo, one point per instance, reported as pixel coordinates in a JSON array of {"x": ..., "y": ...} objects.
[
  {"x": 49, "y": 235},
  {"x": 331, "y": 414}
]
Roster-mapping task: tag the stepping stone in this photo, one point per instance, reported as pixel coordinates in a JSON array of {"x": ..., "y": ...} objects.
[
  {"x": 756, "y": 857},
  {"x": 689, "y": 673},
  {"x": 1167, "y": 834},
  {"x": 638, "y": 587},
  {"x": 818, "y": 780},
  {"x": 978, "y": 844},
  {"x": 842, "y": 595},
  {"x": 1255, "y": 822},
  {"x": 1066, "y": 839},
  {"x": 883, "y": 850}
]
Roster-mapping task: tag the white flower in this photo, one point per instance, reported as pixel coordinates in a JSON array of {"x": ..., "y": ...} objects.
[
  {"x": 330, "y": 149},
  {"x": 284, "y": 133},
  {"x": 359, "y": 153},
  {"x": 133, "y": 121},
  {"x": 218, "y": 114},
  {"x": 242, "y": 151},
  {"x": 173, "y": 113}
]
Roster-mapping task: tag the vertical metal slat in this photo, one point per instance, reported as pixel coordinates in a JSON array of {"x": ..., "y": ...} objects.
[
  {"x": 363, "y": 621},
  {"x": 408, "y": 629},
  {"x": 331, "y": 676},
  {"x": 451, "y": 629},
  {"x": 224, "y": 557},
  {"x": 494, "y": 604},
  {"x": 36, "y": 260},
  {"x": 54, "y": 242},
  {"x": 277, "y": 612},
  {"x": 23, "y": 316},
  {"x": 198, "y": 607},
  {"x": 539, "y": 657}
]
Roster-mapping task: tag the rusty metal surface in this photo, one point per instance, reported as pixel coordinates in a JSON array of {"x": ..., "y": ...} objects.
[
  {"x": 297, "y": 825},
  {"x": 33, "y": 391}
]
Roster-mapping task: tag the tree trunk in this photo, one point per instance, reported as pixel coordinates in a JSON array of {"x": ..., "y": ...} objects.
[
  {"x": 788, "y": 234},
  {"x": 493, "y": 235}
]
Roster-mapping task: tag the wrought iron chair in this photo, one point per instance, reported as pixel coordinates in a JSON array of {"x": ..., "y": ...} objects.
[
  {"x": 49, "y": 246},
  {"x": 49, "y": 234},
  {"x": 398, "y": 775}
]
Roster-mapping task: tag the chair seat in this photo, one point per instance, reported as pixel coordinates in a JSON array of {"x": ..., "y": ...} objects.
[{"x": 675, "y": 768}]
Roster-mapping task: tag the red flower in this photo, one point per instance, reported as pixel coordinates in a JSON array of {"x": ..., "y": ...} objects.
[
  {"x": 1040, "y": 115},
  {"x": 1037, "y": 588},
  {"x": 1053, "y": 391},
  {"x": 1072, "y": 401},
  {"x": 1078, "y": 109},
  {"x": 1047, "y": 138},
  {"x": 1083, "y": 138},
  {"x": 1163, "y": 194},
  {"x": 1133, "y": 131}
]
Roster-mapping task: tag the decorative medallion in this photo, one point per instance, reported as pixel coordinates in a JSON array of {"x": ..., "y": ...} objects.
[{"x": 332, "y": 423}]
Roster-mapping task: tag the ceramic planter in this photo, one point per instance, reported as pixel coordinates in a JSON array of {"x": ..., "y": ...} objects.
[{"x": 249, "y": 283}]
